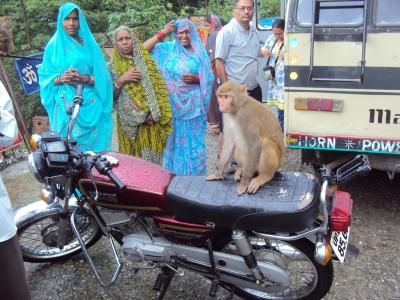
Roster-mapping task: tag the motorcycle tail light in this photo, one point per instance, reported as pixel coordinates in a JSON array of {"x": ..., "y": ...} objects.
[{"x": 342, "y": 207}]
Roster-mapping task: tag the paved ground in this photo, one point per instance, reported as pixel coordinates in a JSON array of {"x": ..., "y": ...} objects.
[{"x": 374, "y": 274}]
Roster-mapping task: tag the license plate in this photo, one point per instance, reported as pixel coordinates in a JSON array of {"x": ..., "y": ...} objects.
[{"x": 339, "y": 242}]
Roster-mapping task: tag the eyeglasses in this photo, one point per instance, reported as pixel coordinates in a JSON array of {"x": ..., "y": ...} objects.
[{"x": 244, "y": 8}]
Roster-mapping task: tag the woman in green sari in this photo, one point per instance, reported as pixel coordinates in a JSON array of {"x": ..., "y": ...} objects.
[{"x": 144, "y": 113}]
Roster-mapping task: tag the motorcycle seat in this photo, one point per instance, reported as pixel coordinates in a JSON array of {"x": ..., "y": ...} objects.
[{"x": 288, "y": 203}]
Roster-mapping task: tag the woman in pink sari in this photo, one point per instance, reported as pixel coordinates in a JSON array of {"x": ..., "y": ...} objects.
[{"x": 185, "y": 67}]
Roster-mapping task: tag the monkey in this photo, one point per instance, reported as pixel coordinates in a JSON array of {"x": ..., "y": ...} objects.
[
  {"x": 252, "y": 134},
  {"x": 6, "y": 43}
]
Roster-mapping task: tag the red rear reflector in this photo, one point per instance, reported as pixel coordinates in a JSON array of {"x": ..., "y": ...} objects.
[
  {"x": 342, "y": 207},
  {"x": 320, "y": 104}
]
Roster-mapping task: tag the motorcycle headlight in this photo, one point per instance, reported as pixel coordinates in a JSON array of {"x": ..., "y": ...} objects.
[{"x": 37, "y": 166}]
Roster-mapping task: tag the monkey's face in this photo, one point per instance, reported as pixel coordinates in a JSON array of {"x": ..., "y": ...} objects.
[{"x": 225, "y": 102}]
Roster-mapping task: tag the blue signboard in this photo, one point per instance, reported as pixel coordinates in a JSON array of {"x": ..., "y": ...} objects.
[{"x": 27, "y": 69}]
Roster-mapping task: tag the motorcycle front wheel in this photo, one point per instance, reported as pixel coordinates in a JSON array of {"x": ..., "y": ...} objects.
[
  {"x": 38, "y": 237},
  {"x": 309, "y": 280}
]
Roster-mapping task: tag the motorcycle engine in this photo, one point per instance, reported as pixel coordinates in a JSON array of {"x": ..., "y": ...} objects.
[{"x": 139, "y": 247}]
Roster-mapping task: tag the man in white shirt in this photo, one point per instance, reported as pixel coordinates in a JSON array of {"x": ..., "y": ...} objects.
[
  {"x": 13, "y": 283},
  {"x": 238, "y": 49}
]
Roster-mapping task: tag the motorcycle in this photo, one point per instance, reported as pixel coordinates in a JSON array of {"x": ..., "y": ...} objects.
[{"x": 275, "y": 244}]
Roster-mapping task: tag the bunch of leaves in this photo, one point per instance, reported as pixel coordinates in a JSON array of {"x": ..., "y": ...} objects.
[
  {"x": 269, "y": 8},
  {"x": 145, "y": 16}
]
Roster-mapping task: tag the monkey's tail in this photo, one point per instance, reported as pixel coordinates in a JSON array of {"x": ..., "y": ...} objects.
[{"x": 282, "y": 151}]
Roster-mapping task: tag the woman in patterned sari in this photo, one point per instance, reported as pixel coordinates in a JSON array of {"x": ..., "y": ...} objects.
[
  {"x": 144, "y": 114},
  {"x": 185, "y": 66}
]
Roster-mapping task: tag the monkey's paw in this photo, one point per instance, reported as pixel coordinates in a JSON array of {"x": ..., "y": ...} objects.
[
  {"x": 215, "y": 176},
  {"x": 253, "y": 186},
  {"x": 238, "y": 174},
  {"x": 242, "y": 189}
]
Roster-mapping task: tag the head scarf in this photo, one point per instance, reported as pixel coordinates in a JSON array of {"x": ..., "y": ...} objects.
[
  {"x": 62, "y": 52},
  {"x": 162, "y": 54},
  {"x": 215, "y": 23}
]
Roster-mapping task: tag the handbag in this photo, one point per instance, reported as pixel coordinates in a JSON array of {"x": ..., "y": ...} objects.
[{"x": 269, "y": 71}]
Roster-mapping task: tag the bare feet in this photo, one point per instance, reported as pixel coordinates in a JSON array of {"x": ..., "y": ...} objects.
[
  {"x": 241, "y": 189},
  {"x": 215, "y": 176},
  {"x": 256, "y": 183},
  {"x": 238, "y": 174}
]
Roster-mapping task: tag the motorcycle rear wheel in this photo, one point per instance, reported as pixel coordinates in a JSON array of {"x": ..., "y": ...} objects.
[
  {"x": 309, "y": 279},
  {"x": 38, "y": 237}
]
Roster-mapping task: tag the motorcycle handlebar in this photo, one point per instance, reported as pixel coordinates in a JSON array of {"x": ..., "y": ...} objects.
[
  {"x": 114, "y": 178},
  {"x": 103, "y": 166},
  {"x": 78, "y": 100}
]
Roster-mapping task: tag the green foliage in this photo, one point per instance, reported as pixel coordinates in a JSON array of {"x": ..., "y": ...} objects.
[
  {"x": 224, "y": 9},
  {"x": 146, "y": 16},
  {"x": 269, "y": 8}
]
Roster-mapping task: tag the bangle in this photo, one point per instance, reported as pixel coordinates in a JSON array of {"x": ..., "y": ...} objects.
[
  {"x": 160, "y": 36},
  {"x": 117, "y": 86},
  {"x": 197, "y": 78},
  {"x": 58, "y": 80},
  {"x": 91, "y": 80}
]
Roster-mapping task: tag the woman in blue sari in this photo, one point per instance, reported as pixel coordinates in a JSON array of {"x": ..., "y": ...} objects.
[
  {"x": 186, "y": 69},
  {"x": 73, "y": 57}
]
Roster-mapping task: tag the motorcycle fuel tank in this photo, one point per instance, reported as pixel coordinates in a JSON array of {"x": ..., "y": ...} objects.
[{"x": 146, "y": 185}]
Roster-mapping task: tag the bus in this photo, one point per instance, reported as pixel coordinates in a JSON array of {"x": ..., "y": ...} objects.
[{"x": 342, "y": 85}]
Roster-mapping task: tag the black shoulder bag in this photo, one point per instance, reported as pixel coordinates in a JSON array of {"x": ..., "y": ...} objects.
[{"x": 269, "y": 71}]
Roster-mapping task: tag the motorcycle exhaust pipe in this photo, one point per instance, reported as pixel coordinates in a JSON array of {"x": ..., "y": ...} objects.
[{"x": 243, "y": 245}]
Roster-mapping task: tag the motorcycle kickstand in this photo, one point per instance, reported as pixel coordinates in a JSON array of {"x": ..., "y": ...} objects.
[
  {"x": 163, "y": 281},
  {"x": 215, "y": 281},
  {"x": 231, "y": 294}
]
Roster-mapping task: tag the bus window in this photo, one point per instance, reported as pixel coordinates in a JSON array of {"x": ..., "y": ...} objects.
[
  {"x": 387, "y": 13},
  {"x": 331, "y": 13},
  {"x": 267, "y": 12}
]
